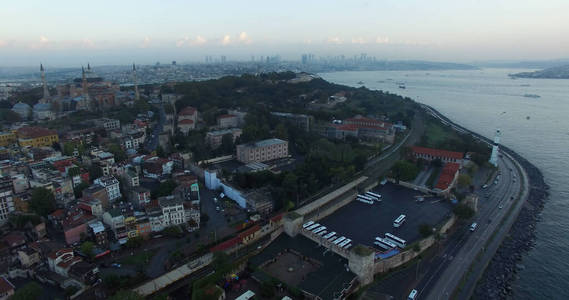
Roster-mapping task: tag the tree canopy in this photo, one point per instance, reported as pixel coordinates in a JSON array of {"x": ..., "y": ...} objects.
[{"x": 42, "y": 201}]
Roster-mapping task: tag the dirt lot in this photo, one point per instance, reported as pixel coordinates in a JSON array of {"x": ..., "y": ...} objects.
[{"x": 299, "y": 268}]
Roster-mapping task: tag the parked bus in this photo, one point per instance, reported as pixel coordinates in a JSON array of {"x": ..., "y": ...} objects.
[
  {"x": 311, "y": 227},
  {"x": 246, "y": 296},
  {"x": 399, "y": 221},
  {"x": 339, "y": 240},
  {"x": 329, "y": 235},
  {"x": 401, "y": 243},
  {"x": 323, "y": 232},
  {"x": 307, "y": 224},
  {"x": 348, "y": 246},
  {"x": 364, "y": 199},
  {"x": 372, "y": 194},
  {"x": 344, "y": 243},
  {"x": 317, "y": 230},
  {"x": 384, "y": 243}
]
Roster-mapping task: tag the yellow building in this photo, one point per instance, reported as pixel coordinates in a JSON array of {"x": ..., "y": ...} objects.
[
  {"x": 36, "y": 137},
  {"x": 7, "y": 138}
]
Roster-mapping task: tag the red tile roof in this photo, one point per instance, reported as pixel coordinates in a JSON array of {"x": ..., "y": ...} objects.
[
  {"x": 14, "y": 239},
  {"x": 345, "y": 127},
  {"x": 35, "y": 132},
  {"x": 187, "y": 111},
  {"x": 447, "y": 175},
  {"x": 5, "y": 286},
  {"x": 277, "y": 218},
  {"x": 185, "y": 121},
  {"x": 437, "y": 152},
  {"x": 225, "y": 245},
  {"x": 60, "y": 252},
  {"x": 249, "y": 231},
  {"x": 226, "y": 116}
]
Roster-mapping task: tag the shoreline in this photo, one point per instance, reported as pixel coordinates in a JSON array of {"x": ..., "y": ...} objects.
[{"x": 501, "y": 272}]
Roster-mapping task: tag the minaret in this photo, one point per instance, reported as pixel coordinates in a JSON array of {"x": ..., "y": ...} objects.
[
  {"x": 45, "y": 89},
  {"x": 136, "y": 93},
  {"x": 84, "y": 89},
  {"x": 494, "y": 157}
]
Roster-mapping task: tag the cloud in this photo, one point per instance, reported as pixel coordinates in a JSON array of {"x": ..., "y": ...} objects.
[
  {"x": 145, "y": 42},
  {"x": 87, "y": 43},
  {"x": 382, "y": 40},
  {"x": 244, "y": 38},
  {"x": 335, "y": 40},
  {"x": 359, "y": 40},
  {"x": 42, "y": 42},
  {"x": 226, "y": 40},
  {"x": 3, "y": 43},
  {"x": 187, "y": 41}
]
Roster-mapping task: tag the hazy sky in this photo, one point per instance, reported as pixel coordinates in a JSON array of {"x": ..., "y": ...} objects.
[{"x": 66, "y": 33}]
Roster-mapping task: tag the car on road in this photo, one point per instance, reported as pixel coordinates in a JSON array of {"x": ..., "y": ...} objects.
[
  {"x": 412, "y": 295},
  {"x": 500, "y": 206},
  {"x": 484, "y": 186},
  {"x": 473, "y": 226},
  {"x": 115, "y": 265},
  {"x": 217, "y": 208}
]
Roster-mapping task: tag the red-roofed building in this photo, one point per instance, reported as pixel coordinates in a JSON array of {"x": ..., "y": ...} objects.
[
  {"x": 75, "y": 224},
  {"x": 444, "y": 155},
  {"x": 60, "y": 261},
  {"x": 6, "y": 288},
  {"x": 227, "y": 121},
  {"x": 186, "y": 125},
  {"x": 448, "y": 176},
  {"x": 36, "y": 137},
  {"x": 14, "y": 239},
  {"x": 363, "y": 128}
]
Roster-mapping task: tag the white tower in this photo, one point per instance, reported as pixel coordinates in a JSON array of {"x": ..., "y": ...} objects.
[{"x": 494, "y": 157}]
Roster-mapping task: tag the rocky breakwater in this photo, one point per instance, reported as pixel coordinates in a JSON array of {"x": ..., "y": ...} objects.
[{"x": 496, "y": 283}]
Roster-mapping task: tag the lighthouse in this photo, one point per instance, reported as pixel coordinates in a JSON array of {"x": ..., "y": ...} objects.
[{"x": 494, "y": 157}]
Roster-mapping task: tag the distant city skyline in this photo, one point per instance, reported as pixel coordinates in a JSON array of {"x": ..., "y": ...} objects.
[{"x": 66, "y": 33}]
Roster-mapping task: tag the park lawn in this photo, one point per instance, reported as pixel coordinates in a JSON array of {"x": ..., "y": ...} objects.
[
  {"x": 437, "y": 134},
  {"x": 141, "y": 258}
]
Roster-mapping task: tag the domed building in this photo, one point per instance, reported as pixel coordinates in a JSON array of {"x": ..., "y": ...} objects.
[
  {"x": 22, "y": 109},
  {"x": 42, "y": 111}
]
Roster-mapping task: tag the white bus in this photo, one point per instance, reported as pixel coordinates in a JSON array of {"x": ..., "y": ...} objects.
[
  {"x": 384, "y": 243},
  {"x": 317, "y": 230},
  {"x": 344, "y": 243},
  {"x": 312, "y": 226},
  {"x": 374, "y": 195},
  {"x": 323, "y": 232},
  {"x": 399, "y": 221},
  {"x": 401, "y": 243},
  {"x": 307, "y": 224},
  {"x": 329, "y": 235},
  {"x": 348, "y": 246},
  {"x": 364, "y": 199},
  {"x": 339, "y": 240},
  {"x": 246, "y": 296},
  {"x": 331, "y": 239}
]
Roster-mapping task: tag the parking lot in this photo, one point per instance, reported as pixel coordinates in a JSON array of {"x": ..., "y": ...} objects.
[{"x": 362, "y": 222}]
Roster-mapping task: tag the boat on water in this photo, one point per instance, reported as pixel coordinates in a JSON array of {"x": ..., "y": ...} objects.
[
  {"x": 360, "y": 82},
  {"x": 402, "y": 87},
  {"x": 532, "y": 96},
  {"x": 525, "y": 84}
]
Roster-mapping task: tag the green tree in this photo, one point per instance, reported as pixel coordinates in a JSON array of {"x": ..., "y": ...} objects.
[
  {"x": 464, "y": 180},
  {"x": 78, "y": 190},
  {"x": 87, "y": 249},
  {"x": 68, "y": 148},
  {"x": 404, "y": 170},
  {"x": 425, "y": 230},
  {"x": 42, "y": 201},
  {"x": 164, "y": 189},
  {"x": 117, "y": 151},
  {"x": 463, "y": 211},
  {"x": 227, "y": 143},
  {"x": 95, "y": 172},
  {"x": 281, "y": 132},
  {"x": 29, "y": 291},
  {"x": 9, "y": 116},
  {"x": 126, "y": 295}
]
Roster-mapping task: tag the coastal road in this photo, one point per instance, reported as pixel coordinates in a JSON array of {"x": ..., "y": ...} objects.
[
  {"x": 152, "y": 141},
  {"x": 441, "y": 281}
]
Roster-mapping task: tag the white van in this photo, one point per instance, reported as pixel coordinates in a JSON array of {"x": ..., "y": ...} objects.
[
  {"x": 473, "y": 226},
  {"x": 412, "y": 295}
]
